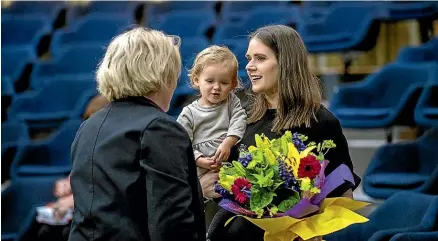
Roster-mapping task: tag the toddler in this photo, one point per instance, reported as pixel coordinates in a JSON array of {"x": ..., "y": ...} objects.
[{"x": 216, "y": 121}]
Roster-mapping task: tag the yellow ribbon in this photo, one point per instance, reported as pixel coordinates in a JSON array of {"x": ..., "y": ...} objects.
[{"x": 335, "y": 214}]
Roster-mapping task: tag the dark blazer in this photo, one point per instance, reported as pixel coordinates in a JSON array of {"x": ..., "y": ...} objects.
[{"x": 134, "y": 177}]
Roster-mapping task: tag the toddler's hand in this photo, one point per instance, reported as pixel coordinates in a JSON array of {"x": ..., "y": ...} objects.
[
  {"x": 62, "y": 188},
  {"x": 207, "y": 163},
  {"x": 222, "y": 153}
]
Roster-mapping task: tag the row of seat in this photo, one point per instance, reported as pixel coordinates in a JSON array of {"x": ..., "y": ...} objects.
[
  {"x": 401, "y": 93},
  {"x": 196, "y": 22},
  {"x": 406, "y": 216},
  {"x": 50, "y": 156}
]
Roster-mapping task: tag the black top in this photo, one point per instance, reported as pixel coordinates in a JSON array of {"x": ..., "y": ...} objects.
[
  {"x": 126, "y": 183},
  {"x": 325, "y": 127}
]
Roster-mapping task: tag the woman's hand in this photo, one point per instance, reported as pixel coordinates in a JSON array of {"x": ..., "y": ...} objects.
[
  {"x": 348, "y": 194},
  {"x": 207, "y": 183},
  {"x": 63, "y": 205},
  {"x": 62, "y": 188},
  {"x": 207, "y": 163}
]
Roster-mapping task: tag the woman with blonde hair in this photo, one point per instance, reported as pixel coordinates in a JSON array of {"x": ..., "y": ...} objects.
[
  {"x": 126, "y": 184},
  {"x": 286, "y": 97}
]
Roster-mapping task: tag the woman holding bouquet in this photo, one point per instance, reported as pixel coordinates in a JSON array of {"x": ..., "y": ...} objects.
[{"x": 286, "y": 96}]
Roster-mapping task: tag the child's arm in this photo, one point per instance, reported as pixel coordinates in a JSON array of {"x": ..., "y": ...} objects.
[
  {"x": 236, "y": 130},
  {"x": 186, "y": 120}
]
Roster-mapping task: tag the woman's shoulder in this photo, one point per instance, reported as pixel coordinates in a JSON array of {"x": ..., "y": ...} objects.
[{"x": 325, "y": 117}]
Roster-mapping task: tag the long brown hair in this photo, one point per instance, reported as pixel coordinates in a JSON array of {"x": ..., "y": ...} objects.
[{"x": 299, "y": 90}]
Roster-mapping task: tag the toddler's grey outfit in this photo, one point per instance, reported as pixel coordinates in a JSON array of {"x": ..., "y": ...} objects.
[{"x": 209, "y": 126}]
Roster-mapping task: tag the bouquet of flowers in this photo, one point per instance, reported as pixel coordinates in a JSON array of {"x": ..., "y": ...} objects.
[{"x": 280, "y": 186}]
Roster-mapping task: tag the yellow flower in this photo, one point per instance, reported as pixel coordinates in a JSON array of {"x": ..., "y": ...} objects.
[
  {"x": 305, "y": 184},
  {"x": 270, "y": 157},
  {"x": 227, "y": 181}
]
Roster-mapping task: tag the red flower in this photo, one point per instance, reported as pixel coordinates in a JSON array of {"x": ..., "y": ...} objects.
[
  {"x": 240, "y": 188},
  {"x": 309, "y": 167}
]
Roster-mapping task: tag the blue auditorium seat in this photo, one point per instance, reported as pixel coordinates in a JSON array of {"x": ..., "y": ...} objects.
[
  {"x": 238, "y": 25},
  {"x": 157, "y": 9},
  {"x": 50, "y": 9},
  {"x": 124, "y": 8},
  {"x": 397, "y": 10},
  {"x": 50, "y": 156},
  {"x": 96, "y": 29},
  {"x": 15, "y": 59},
  {"x": 239, "y": 48},
  {"x": 332, "y": 33},
  {"x": 404, "y": 212},
  {"x": 382, "y": 99},
  {"x": 23, "y": 30},
  {"x": 416, "y": 236},
  {"x": 19, "y": 201},
  {"x": 183, "y": 91},
  {"x": 190, "y": 47},
  {"x": 426, "y": 111},
  {"x": 75, "y": 62},
  {"x": 57, "y": 101},
  {"x": 14, "y": 133},
  {"x": 242, "y": 7},
  {"x": 427, "y": 52},
  {"x": 7, "y": 86},
  {"x": 186, "y": 24},
  {"x": 410, "y": 166}
]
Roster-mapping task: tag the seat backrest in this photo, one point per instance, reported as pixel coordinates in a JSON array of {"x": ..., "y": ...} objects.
[
  {"x": 13, "y": 132},
  {"x": 395, "y": 80},
  {"x": 61, "y": 143},
  {"x": 164, "y": 7},
  {"x": 19, "y": 199},
  {"x": 21, "y": 8},
  {"x": 63, "y": 94},
  {"x": 20, "y": 30},
  {"x": 75, "y": 60},
  {"x": 239, "y": 48},
  {"x": 428, "y": 151},
  {"x": 186, "y": 24},
  {"x": 333, "y": 22},
  {"x": 14, "y": 59},
  {"x": 97, "y": 28},
  {"x": 400, "y": 211},
  {"x": 232, "y": 7},
  {"x": 190, "y": 47},
  {"x": 7, "y": 86}
]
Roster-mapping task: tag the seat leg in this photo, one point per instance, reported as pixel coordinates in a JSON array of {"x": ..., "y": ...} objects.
[
  {"x": 389, "y": 135},
  {"x": 348, "y": 61}
]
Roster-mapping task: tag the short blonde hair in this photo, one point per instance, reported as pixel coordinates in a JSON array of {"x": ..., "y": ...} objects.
[
  {"x": 214, "y": 54},
  {"x": 138, "y": 62}
]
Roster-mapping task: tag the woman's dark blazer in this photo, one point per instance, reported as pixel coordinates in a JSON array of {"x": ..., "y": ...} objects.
[{"x": 134, "y": 177}]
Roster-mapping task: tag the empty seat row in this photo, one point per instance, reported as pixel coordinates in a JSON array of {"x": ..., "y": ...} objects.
[{"x": 401, "y": 93}]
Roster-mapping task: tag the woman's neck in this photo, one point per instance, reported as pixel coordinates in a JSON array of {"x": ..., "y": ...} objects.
[{"x": 272, "y": 100}]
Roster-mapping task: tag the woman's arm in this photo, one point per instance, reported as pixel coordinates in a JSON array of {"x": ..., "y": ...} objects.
[
  {"x": 174, "y": 202},
  {"x": 339, "y": 155}
]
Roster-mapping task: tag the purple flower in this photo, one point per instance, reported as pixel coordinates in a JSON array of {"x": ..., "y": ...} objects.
[
  {"x": 289, "y": 180},
  {"x": 298, "y": 143},
  {"x": 245, "y": 159},
  {"x": 221, "y": 191}
]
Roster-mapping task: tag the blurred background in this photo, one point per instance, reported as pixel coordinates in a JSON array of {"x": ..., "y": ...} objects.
[{"x": 377, "y": 61}]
